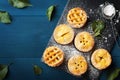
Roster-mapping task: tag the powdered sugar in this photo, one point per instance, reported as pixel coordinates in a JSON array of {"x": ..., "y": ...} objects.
[{"x": 109, "y": 10}]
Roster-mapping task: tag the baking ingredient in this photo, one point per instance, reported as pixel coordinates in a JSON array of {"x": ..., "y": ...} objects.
[
  {"x": 114, "y": 74},
  {"x": 50, "y": 12},
  {"x": 20, "y": 3},
  {"x": 109, "y": 10},
  {"x": 37, "y": 69},
  {"x": 3, "y": 71},
  {"x": 97, "y": 27},
  {"x": 5, "y": 17}
]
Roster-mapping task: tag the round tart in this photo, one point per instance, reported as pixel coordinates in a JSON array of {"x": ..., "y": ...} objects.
[
  {"x": 53, "y": 56},
  {"x": 77, "y": 17},
  {"x": 101, "y": 59},
  {"x": 63, "y": 34},
  {"x": 84, "y": 41},
  {"x": 77, "y": 65}
]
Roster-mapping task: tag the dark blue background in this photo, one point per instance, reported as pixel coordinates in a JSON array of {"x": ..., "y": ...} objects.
[{"x": 23, "y": 41}]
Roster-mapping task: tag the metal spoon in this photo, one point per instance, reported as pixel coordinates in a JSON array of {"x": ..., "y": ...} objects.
[{"x": 110, "y": 17}]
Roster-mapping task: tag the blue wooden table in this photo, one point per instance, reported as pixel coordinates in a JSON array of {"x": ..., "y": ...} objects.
[{"x": 23, "y": 41}]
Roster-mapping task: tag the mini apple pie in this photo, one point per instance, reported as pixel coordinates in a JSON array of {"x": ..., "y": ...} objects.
[
  {"x": 77, "y": 65},
  {"x": 77, "y": 17},
  {"x": 84, "y": 41},
  {"x": 53, "y": 56},
  {"x": 101, "y": 59},
  {"x": 63, "y": 34}
]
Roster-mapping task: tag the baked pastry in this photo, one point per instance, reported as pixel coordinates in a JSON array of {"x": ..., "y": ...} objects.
[
  {"x": 77, "y": 65},
  {"x": 53, "y": 56},
  {"x": 84, "y": 41},
  {"x": 101, "y": 59},
  {"x": 63, "y": 34},
  {"x": 77, "y": 17}
]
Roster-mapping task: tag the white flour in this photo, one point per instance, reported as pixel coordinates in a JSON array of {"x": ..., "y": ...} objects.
[{"x": 109, "y": 10}]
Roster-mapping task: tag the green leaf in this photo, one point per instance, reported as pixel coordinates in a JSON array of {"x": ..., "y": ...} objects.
[
  {"x": 37, "y": 70},
  {"x": 97, "y": 27},
  {"x": 5, "y": 17},
  {"x": 50, "y": 12},
  {"x": 20, "y": 3},
  {"x": 114, "y": 74},
  {"x": 3, "y": 71},
  {"x": 0, "y": 78},
  {"x": 97, "y": 34}
]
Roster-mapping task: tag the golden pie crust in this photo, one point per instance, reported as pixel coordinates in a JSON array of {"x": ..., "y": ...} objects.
[
  {"x": 77, "y": 65},
  {"x": 84, "y": 41},
  {"x": 53, "y": 56},
  {"x": 63, "y": 34},
  {"x": 77, "y": 17},
  {"x": 101, "y": 59}
]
